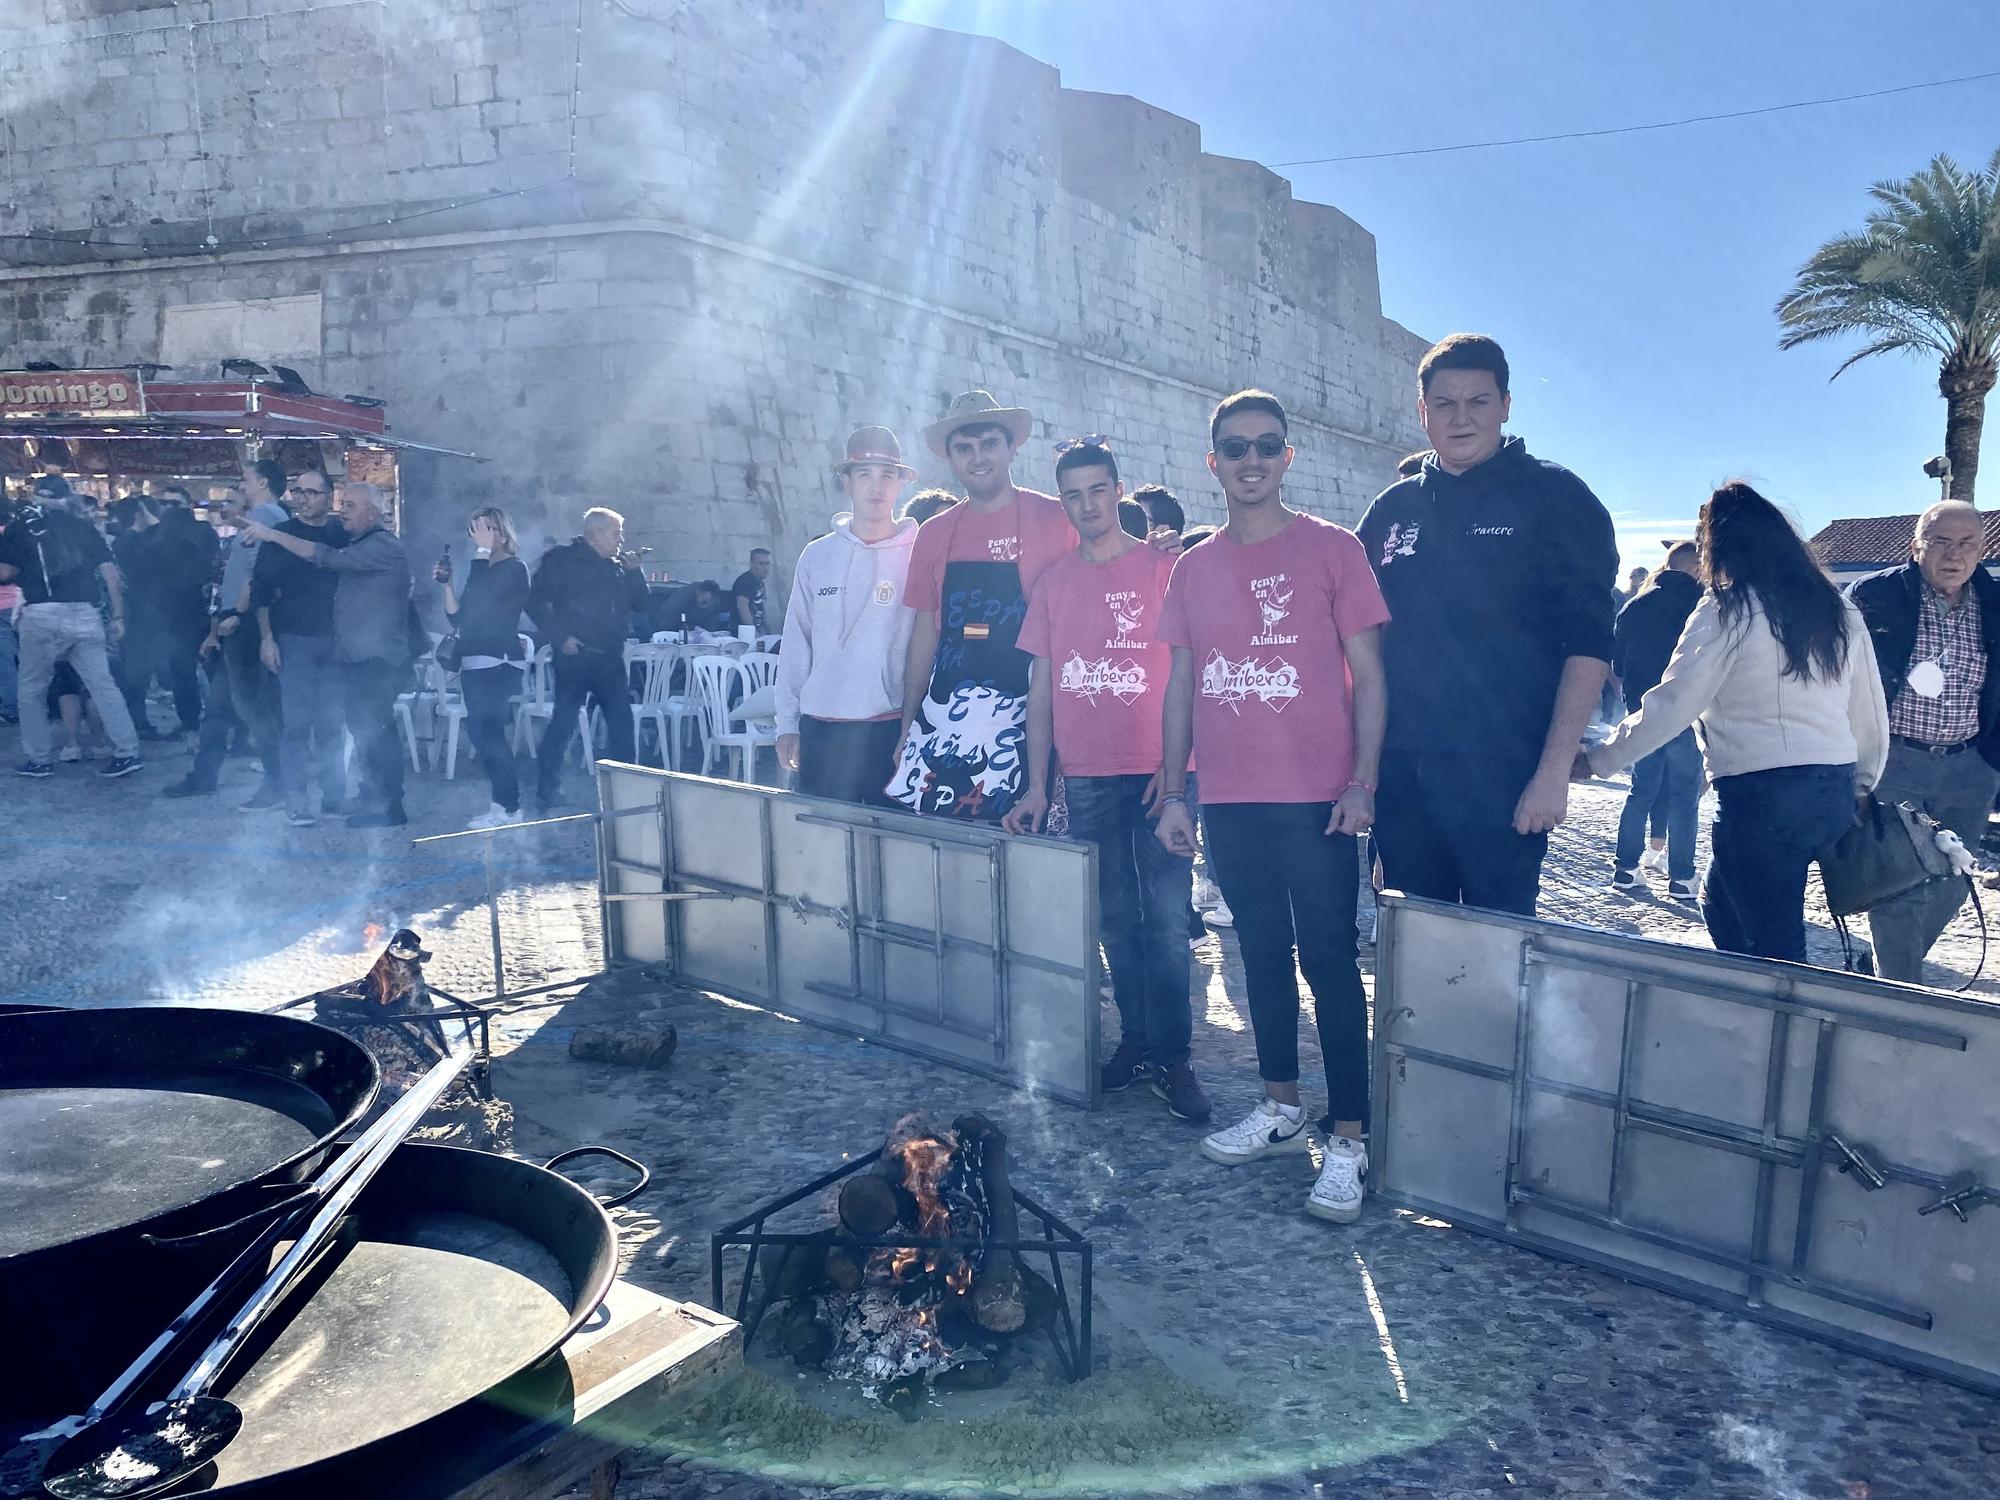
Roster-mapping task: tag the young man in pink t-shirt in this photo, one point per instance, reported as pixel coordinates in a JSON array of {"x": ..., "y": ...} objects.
[
  {"x": 1275, "y": 624},
  {"x": 1099, "y": 672},
  {"x": 961, "y": 749}
]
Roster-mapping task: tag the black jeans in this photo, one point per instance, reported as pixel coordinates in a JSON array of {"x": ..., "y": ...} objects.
[
  {"x": 598, "y": 676},
  {"x": 1444, "y": 824},
  {"x": 368, "y": 695},
  {"x": 1769, "y": 826},
  {"x": 1142, "y": 903},
  {"x": 154, "y": 648},
  {"x": 487, "y": 690},
  {"x": 847, "y": 760},
  {"x": 244, "y": 693},
  {"x": 1287, "y": 880}
]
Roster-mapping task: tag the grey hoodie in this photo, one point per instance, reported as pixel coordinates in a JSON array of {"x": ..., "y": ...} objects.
[{"x": 846, "y": 631}]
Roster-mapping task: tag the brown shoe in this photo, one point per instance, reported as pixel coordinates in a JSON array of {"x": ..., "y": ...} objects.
[
  {"x": 1126, "y": 1067},
  {"x": 1182, "y": 1091}
]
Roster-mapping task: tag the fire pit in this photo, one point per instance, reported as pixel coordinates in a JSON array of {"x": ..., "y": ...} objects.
[{"x": 924, "y": 1269}]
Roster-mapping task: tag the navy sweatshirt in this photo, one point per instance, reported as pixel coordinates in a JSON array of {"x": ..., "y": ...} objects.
[{"x": 1494, "y": 578}]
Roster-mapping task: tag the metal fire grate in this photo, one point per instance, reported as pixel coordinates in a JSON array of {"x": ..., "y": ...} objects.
[{"x": 1068, "y": 1331}]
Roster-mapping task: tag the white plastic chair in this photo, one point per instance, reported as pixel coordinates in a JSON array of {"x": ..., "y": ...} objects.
[
  {"x": 425, "y": 697},
  {"x": 720, "y": 681},
  {"x": 451, "y": 708}
]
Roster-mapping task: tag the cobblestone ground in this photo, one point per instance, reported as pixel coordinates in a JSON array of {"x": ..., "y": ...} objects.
[{"x": 1242, "y": 1348}]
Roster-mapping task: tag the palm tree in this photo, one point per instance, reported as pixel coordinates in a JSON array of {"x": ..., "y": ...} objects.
[{"x": 1922, "y": 278}]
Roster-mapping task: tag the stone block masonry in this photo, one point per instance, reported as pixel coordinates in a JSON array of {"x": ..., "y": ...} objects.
[{"x": 663, "y": 255}]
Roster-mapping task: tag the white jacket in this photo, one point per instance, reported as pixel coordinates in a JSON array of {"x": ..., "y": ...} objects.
[
  {"x": 1753, "y": 717},
  {"x": 846, "y": 630}
]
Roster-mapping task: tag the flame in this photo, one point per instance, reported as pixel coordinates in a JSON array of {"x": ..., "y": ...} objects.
[
  {"x": 925, "y": 1161},
  {"x": 960, "y": 1278},
  {"x": 900, "y": 1263}
]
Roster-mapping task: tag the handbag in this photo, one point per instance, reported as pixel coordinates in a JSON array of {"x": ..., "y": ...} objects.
[
  {"x": 1892, "y": 848},
  {"x": 450, "y": 652}
]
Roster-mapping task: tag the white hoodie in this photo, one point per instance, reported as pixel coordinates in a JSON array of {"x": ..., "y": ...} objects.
[{"x": 846, "y": 630}]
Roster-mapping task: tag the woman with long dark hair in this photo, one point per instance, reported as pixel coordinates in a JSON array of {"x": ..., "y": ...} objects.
[
  {"x": 1776, "y": 668},
  {"x": 488, "y": 621}
]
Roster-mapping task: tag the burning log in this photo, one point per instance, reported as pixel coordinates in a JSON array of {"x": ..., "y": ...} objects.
[
  {"x": 999, "y": 1298},
  {"x": 869, "y": 1204},
  {"x": 389, "y": 1012}
]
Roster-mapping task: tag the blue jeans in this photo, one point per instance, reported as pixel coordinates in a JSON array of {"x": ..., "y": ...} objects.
[
  {"x": 312, "y": 738},
  {"x": 1666, "y": 784},
  {"x": 1142, "y": 901},
  {"x": 1769, "y": 826}
]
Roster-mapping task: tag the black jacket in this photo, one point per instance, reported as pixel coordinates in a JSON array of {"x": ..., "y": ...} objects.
[
  {"x": 1889, "y": 601},
  {"x": 488, "y": 620},
  {"x": 1649, "y": 626},
  {"x": 1494, "y": 578},
  {"x": 579, "y": 592}
]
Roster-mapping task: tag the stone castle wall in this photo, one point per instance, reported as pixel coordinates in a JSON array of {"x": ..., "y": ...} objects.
[{"x": 663, "y": 259}]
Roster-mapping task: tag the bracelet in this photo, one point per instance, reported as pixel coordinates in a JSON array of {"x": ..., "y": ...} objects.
[
  {"x": 1365, "y": 786},
  {"x": 1168, "y": 799}
]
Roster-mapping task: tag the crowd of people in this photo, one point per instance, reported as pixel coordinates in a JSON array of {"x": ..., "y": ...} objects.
[{"x": 1264, "y": 694}]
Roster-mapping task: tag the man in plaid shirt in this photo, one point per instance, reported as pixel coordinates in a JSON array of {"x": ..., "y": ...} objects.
[{"x": 1935, "y": 626}]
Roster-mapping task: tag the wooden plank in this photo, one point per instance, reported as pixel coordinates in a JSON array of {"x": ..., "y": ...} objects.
[{"x": 624, "y": 1374}]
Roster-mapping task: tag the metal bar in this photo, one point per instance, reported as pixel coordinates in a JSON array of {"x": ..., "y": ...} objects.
[
  {"x": 910, "y": 1241},
  {"x": 1084, "y": 1294},
  {"x": 715, "y": 1272},
  {"x": 770, "y": 894},
  {"x": 493, "y": 925},
  {"x": 609, "y": 939},
  {"x": 871, "y": 926},
  {"x": 1517, "y": 1110},
  {"x": 474, "y": 833},
  {"x": 667, "y": 896},
  {"x": 1815, "y": 1144},
  {"x": 996, "y": 857},
  {"x": 826, "y": 1180},
  {"x": 670, "y": 916},
  {"x": 1386, "y": 922},
  {"x": 1749, "y": 1266},
  {"x": 1706, "y": 989},
  {"x": 1774, "y": 1093},
  {"x": 854, "y": 910},
  {"x": 937, "y": 928},
  {"x": 1622, "y": 1117}
]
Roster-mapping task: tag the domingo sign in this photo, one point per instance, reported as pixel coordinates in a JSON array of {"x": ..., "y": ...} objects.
[{"x": 94, "y": 393}]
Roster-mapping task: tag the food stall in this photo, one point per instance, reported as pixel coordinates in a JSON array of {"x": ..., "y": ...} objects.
[{"x": 122, "y": 431}]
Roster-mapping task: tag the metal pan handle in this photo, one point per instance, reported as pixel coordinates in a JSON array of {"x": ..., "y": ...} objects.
[
  {"x": 645, "y": 1173},
  {"x": 200, "y": 1237}
]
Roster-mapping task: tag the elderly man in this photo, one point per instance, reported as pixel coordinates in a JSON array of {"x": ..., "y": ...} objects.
[
  {"x": 1935, "y": 625},
  {"x": 582, "y": 602},
  {"x": 371, "y": 642}
]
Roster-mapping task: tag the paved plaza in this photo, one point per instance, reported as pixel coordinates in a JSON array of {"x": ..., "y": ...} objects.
[{"x": 1242, "y": 1348}]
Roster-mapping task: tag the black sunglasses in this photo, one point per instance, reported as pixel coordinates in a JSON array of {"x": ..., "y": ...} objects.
[{"x": 1267, "y": 444}]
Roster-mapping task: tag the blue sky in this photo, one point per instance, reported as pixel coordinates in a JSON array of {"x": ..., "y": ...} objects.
[{"x": 1631, "y": 278}]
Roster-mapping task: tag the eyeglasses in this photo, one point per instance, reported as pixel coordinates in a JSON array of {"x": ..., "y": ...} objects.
[
  {"x": 307, "y": 489},
  {"x": 1267, "y": 444},
  {"x": 1968, "y": 545},
  {"x": 1095, "y": 440}
]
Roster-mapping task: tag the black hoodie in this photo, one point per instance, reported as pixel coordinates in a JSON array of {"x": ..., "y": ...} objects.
[
  {"x": 1648, "y": 629},
  {"x": 1494, "y": 578}
]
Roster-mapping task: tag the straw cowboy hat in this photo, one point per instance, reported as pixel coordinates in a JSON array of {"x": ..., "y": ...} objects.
[
  {"x": 976, "y": 408},
  {"x": 873, "y": 445}
]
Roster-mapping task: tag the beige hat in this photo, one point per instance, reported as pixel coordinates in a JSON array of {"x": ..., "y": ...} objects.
[
  {"x": 977, "y": 408},
  {"x": 873, "y": 445}
]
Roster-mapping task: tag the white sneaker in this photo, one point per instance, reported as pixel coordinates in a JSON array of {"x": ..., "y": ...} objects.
[
  {"x": 69, "y": 755},
  {"x": 1270, "y": 1129},
  {"x": 1342, "y": 1178},
  {"x": 1205, "y": 893},
  {"x": 1653, "y": 861},
  {"x": 1682, "y": 890},
  {"x": 1219, "y": 915},
  {"x": 495, "y": 816}
]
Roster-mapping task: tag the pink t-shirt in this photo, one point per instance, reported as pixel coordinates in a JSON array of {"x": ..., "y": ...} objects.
[
  {"x": 1032, "y": 532},
  {"x": 1273, "y": 704},
  {"x": 1098, "y": 626}
]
